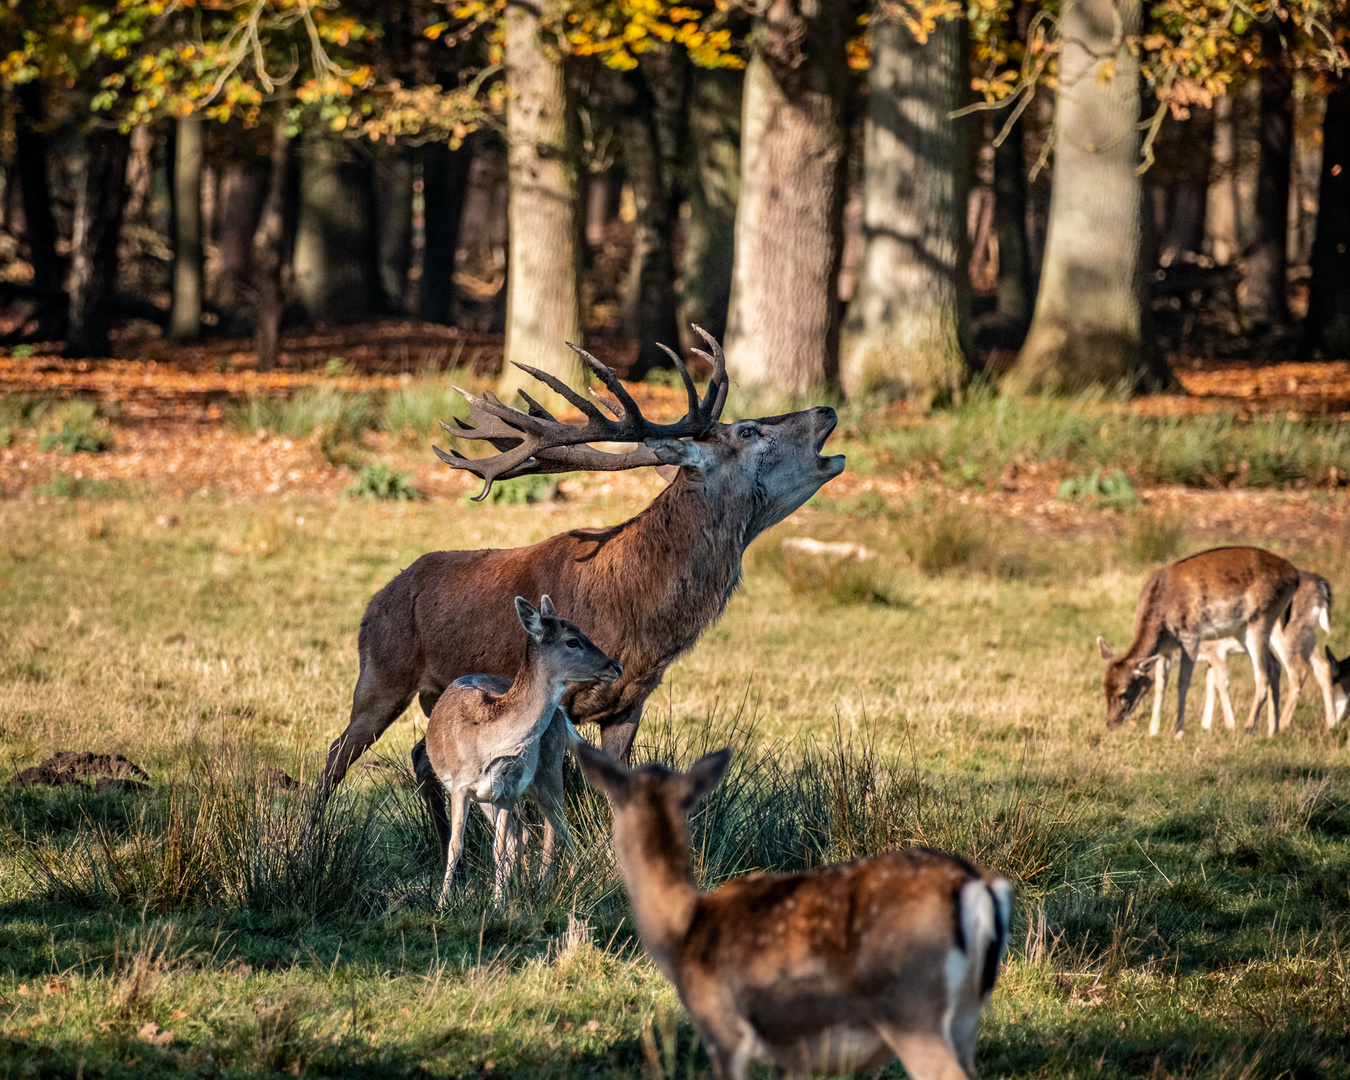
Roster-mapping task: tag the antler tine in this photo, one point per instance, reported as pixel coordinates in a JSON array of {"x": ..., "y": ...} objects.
[
  {"x": 717, "y": 385},
  {"x": 535, "y": 408},
  {"x": 560, "y": 387},
  {"x": 606, "y": 375},
  {"x": 614, "y": 410},
  {"x": 684, "y": 374}
]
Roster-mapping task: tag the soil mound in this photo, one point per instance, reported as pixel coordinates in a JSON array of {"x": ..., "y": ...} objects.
[{"x": 110, "y": 772}]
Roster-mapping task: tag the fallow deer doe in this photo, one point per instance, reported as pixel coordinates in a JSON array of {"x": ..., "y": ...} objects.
[
  {"x": 1296, "y": 647},
  {"x": 1211, "y": 595},
  {"x": 485, "y": 738},
  {"x": 645, "y": 589},
  {"x": 832, "y": 970}
]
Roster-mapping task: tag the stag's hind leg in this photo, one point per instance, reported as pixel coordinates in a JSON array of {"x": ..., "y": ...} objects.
[
  {"x": 376, "y": 703},
  {"x": 433, "y": 794}
]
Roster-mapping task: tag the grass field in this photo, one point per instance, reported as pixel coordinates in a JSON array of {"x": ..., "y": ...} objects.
[{"x": 1183, "y": 908}]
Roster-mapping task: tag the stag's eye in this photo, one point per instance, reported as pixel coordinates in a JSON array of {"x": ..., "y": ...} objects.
[
  {"x": 572, "y": 643},
  {"x": 748, "y": 432}
]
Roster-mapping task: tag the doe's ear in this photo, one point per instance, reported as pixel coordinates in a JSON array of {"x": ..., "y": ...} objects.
[
  {"x": 529, "y": 618},
  {"x": 600, "y": 770},
  {"x": 705, "y": 774},
  {"x": 1108, "y": 653},
  {"x": 1146, "y": 665},
  {"x": 682, "y": 453},
  {"x": 546, "y": 608}
]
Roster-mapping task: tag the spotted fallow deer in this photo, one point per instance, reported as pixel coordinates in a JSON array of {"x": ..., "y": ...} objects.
[
  {"x": 644, "y": 590},
  {"x": 1294, "y": 644},
  {"x": 485, "y": 738},
  {"x": 836, "y": 970},
  {"x": 1218, "y": 593}
]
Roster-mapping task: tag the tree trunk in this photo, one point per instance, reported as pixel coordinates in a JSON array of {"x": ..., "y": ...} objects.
[
  {"x": 1265, "y": 280},
  {"x": 1015, "y": 287},
  {"x": 543, "y": 294},
  {"x": 98, "y": 221},
  {"x": 393, "y": 200},
  {"x": 335, "y": 250},
  {"x": 1221, "y": 209},
  {"x": 783, "y": 322},
  {"x": 269, "y": 250},
  {"x": 1088, "y": 325},
  {"x": 1327, "y": 328},
  {"x": 445, "y": 184},
  {"x": 1187, "y": 173},
  {"x": 905, "y": 335},
  {"x": 185, "y": 318},
  {"x": 30, "y": 144},
  {"x": 649, "y": 303},
  {"x": 714, "y": 189},
  {"x": 242, "y": 188}
]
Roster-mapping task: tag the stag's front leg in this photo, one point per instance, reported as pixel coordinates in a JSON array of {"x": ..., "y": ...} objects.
[{"x": 616, "y": 738}]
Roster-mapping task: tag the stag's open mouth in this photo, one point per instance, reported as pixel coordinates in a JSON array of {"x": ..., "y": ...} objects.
[{"x": 834, "y": 463}]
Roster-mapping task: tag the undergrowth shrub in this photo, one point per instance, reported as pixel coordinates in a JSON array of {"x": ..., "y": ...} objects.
[
  {"x": 339, "y": 418},
  {"x": 1152, "y": 537},
  {"x": 75, "y": 427},
  {"x": 417, "y": 410},
  {"x": 833, "y": 579},
  {"x": 379, "y": 480}
]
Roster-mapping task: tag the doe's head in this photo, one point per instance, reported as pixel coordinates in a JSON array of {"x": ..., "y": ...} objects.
[
  {"x": 652, "y": 800},
  {"x": 565, "y": 651},
  {"x": 1340, "y": 687},
  {"x": 1124, "y": 683}
]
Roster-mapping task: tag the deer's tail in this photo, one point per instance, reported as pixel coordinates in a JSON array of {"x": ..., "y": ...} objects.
[
  {"x": 985, "y": 912},
  {"x": 1324, "y": 603}
]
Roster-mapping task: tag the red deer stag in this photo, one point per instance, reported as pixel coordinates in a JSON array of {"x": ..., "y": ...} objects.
[
  {"x": 1214, "y": 594},
  {"x": 1296, "y": 646},
  {"x": 836, "y": 970},
  {"x": 644, "y": 590}
]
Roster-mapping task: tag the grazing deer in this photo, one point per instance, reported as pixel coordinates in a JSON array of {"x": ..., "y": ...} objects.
[
  {"x": 645, "y": 589},
  {"x": 1296, "y": 647},
  {"x": 1210, "y": 595},
  {"x": 832, "y": 970},
  {"x": 485, "y": 737}
]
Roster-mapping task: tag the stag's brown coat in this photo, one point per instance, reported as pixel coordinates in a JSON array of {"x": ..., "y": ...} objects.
[{"x": 1218, "y": 593}]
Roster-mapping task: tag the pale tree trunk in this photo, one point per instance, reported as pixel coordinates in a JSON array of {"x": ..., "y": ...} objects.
[
  {"x": 714, "y": 188},
  {"x": 1327, "y": 328},
  {"x": 335, "y": 254},
  {"x": 1088, "y": 328},
  {"x": 30, "y": 144},
  {"x": 445, "y": 184},
  {"x": 185, "y": 318},
  {"x": 783, "y": 322},
  {"x": 1265, "y": 284},
  {"x": 1221, "y": 208},
  {"x": 98, "y": 221},
  {"x": 543, "y": 293},
  {"x": 905, "y": 335},
  {"x": 268, "y": 255}
]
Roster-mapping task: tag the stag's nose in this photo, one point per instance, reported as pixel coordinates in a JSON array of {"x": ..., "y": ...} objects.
[{"x": 614, "y": 672}]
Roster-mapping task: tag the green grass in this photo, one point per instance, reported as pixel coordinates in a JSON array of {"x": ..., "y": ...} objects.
[
  {"x": 1182, "y": 909},
  {"x": 970, "y": 445}
]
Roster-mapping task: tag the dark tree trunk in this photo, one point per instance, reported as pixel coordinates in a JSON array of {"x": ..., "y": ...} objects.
[
  {"x": 1327, "y": 328},
  {"x": 185, "y": 318},
  {"x": 1186, "y": 173},
  {"x": 242, "y": 188},
  {"x": 335, "y": 252},
  {"x": 714, "y": 188},
  {"x": 543, "y": 286},
  {"x": 649, "y": 303},
  {"x": 445, "y": 184},
  {"x": 1016, "y": 291},
  {"x": 269, "y": 251},
  {"x": 39, "y": 225},
  {"x": 783, "y": 321},
  {"x": 98, "y": 221},
  {"x": 905, "y": 335},
  {"x": 1088, "y": 325},
  {"x": 393, "y": 197},
  {"x": 1265, "y": 280}
]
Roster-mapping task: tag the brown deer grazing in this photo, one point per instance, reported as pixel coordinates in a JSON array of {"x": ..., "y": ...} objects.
[
  {"x": 1296, "y": 647},
  {"x": 485, "y": 738},
  {"x": 833, "y": 970},
  {"x": 645, "y": 590},
  {"x": 1214, "y": 594}
]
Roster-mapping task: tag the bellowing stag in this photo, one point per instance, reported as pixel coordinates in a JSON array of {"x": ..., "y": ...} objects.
[{"x": 644, "y": 590}]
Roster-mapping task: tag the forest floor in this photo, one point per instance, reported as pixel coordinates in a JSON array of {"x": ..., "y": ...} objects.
[{"x": 189, "y": 597}]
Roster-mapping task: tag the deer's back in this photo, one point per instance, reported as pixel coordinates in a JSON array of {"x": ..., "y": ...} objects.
[
  {"x": 464, "y": 725},
  {"x": 1216, "y": 591}
]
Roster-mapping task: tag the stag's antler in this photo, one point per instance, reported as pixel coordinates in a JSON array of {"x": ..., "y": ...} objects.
[{"x": 535, "y": 442}]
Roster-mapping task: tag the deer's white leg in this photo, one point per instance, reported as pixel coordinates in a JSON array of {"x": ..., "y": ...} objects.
[
  {"x": 455, "y": 847},
  {"x": 1321, "y": 669},
  {"x": 1220, "y": 670},
  {"x": 924, "y": 1056},
  {"x": 1207, "y": 718},
  {"x": 1258, "y": 648},
  {"x": 1159, "y": 689}
]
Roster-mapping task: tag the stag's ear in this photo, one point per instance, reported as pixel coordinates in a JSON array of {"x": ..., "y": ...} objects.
[
  {"x": 529, "y": 618},
  {"x": 668, "y": 472},
  {"x": 704, "y": 775},
  {"x": 1108, "y": 653},
  {"x": 682, "y": 453},
  {"x": 546, "y": 608},
  {"x": 601, "y": 771}
]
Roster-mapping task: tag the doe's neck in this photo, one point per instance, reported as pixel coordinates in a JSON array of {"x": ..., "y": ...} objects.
[
  {"x": 654, "y": 856},
  {"x": 537, "y": 690}
]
